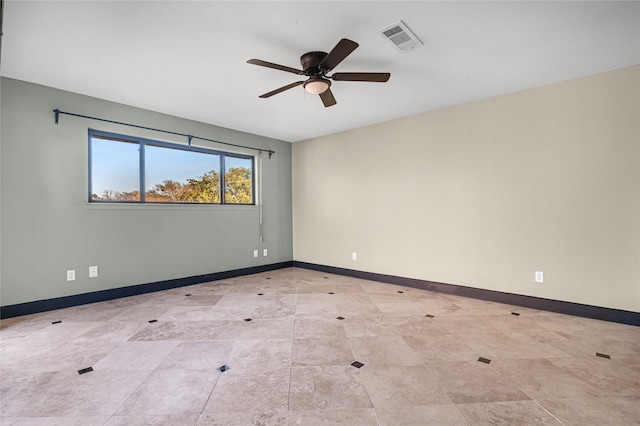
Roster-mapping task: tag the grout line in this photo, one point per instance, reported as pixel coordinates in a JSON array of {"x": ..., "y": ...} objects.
[
  {"x": 559, "y": 421},
  {"x": 375, "y": 413},
  {"x": 212, "y": 389},
  {"x": 132, "y": 393}
]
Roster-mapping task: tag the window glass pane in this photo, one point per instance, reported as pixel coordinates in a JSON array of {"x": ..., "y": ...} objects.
[
  {"x": 172, "y": 173},
  {"x": 179, "y": 176},
  {"x": 115, "y": 170},
  {"x": 237, "y": 180}
]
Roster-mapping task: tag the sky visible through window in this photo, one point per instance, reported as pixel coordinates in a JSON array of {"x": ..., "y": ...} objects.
[{"x": 116, "y": 165}]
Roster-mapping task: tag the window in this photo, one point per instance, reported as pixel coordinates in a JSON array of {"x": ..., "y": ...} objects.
[{"x": 137, "y": 170}]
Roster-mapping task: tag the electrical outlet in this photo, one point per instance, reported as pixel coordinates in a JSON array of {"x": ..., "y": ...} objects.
[
  {"x": 354, "y": 256},
  {"x": 93, "y": 271},
  {"x": 539, "y": 276},
  {"x": 255, "y": 253},
  {"x": 264, "y": 252},
  {"x": 71, "y": 275}
]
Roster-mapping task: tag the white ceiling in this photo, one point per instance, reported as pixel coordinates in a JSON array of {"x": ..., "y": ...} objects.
[{"x": 189, "y": 58}]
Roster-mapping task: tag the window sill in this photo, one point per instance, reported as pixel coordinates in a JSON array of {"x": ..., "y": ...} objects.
[{"x": 166, "y": 206}]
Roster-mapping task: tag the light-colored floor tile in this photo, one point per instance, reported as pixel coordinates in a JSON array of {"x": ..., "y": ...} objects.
[
  {"x": 439, "y": 346},
  {"x": 368, "y": 327},
  {"x": 417, "y": 325},
  {"x": 72, "y": 357},
  {"x": 383, "y": 350},
  {"x": 66, "y": 331},
  {"x": 141, "y": 314},
  {"x": 60, "y": 421},
  {"x": 441, "y": 307},
  {"x": 256, "y": 356},
  {"x": 18, "y": 353},
  {"x": 68, "y": 394},
  {"x": 500, "y": 345},
  {"x": 423, "y": 415},
  {"x": 264, "y": 393},
  {"x": 135, "y": 356},
  {"x": 331, "y": 287},
  {"x": 93, "y": 312},
  {"x": 358, "y": 305},
  {"x": 610, "y": 377},
  {"x": 541, "y": 379},
  {"x": 466, "y": 325},
  {"x": 351, "y": 417},
  {"x": 401, "y": 309},
  {"x": 198, "y": 355},
  {"x": 318, "y": 328},
  {"x": 473, "y": 381},
  {"x": 392, "y": 297},
  {"x": 399, "y": 386},
  {"x": 276, "y": 306},
  {"x": 609, "y": 410},
  {"x": 317, "y": 305},
  {"x": 189, "y": 330},
  {"x": 189, "y": 313},
  {"x": 327, "y": 388},
  {"x": 138, "y": 300},
  {"x": 281, "y": 328},
  {"x": 149, "y": 420},
  {"x": 191, "y": 297},
  {"x": 332, "y": 351},
  {"x": 110, "y": 332},
  {"x": 507, "y": 413},
  {"x": 242, "y": 418},
  {"x": 177, "y": 392},
  {"x": 15, "y": 328}
]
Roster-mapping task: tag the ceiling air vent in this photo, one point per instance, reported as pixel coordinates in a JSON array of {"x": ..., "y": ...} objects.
[{"x": 401, "y": 37}]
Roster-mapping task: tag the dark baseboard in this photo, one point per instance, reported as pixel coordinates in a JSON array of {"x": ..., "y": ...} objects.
[
  {"x": 569, "y": 308},
  {"x": 116, "y": 293}
]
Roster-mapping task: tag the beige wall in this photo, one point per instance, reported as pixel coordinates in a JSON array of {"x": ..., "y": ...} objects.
[{"x": 486, "y": 193}]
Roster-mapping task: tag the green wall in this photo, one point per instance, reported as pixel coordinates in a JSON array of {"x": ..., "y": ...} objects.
[{"x": 48, "y": 227}]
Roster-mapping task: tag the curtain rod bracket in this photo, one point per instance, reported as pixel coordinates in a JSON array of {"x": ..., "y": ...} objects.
[
  {"x": 190, "y": 137},
  {"x": 57, "y": 113},
  {"x": 271, "y": 153}
]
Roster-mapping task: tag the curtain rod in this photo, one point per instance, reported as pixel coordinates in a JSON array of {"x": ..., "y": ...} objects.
[{"x": 57, "y": 113}]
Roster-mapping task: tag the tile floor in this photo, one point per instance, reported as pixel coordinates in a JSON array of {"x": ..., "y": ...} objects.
[{"x": 291, "y": 363}]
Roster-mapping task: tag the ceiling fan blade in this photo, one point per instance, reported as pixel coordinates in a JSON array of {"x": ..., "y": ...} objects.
[
  {"x": 282, "y": 89},
  {"x": 337, "y": 55},
  {"x": 327, "y": 98},
  {"x": 379, "y": 77},
  {"x": 274, "y": 66}
]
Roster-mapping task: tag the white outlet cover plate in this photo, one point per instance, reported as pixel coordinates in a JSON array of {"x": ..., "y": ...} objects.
[
  {"x": 255, "y": 253},
  {"x": 539, "y": 277},
  {"x": 71, "y": 275},
  {"x": 354, "y": 255},
  {"x": 264, "y": 252},
  {"x": 93, "y": 271}
]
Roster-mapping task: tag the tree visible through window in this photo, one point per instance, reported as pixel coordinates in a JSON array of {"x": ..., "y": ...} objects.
[{"x": 124, "y": 169}]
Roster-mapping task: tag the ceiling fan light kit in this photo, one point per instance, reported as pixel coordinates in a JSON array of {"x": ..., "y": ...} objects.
[
  {"x": 317, "y": 65},
  {"x": 316, "y": 85}
]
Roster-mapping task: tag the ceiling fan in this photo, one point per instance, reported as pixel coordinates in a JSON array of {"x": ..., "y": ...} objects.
[{"x": 316, "y": 66}]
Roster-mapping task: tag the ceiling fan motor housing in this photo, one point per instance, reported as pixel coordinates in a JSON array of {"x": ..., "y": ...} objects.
[{"x": 311, "y": 61}]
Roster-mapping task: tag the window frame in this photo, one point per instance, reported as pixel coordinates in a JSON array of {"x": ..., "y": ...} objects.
[{"x": 142, "y": 143}]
